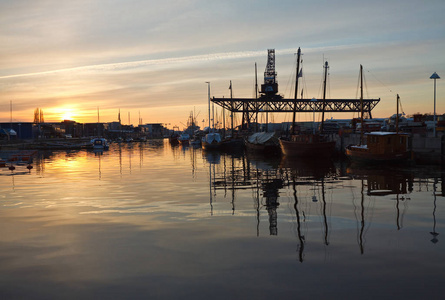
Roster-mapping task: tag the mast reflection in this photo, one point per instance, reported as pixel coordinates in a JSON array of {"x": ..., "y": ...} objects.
[
  {"x": 266, "y": 178},
  {"x": 306, "y": 180},
  {"x": 297, "y": 213},
  {"x": 379, "y": 183},
  {"x": 99, "y": 154},
  {"x": 310, "y": 173},
  {"x": 239, "y": 172},
  {"x": 435, "y": 240}
]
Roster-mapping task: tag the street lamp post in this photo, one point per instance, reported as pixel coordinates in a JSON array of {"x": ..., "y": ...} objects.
[{"x": 434, "y": 76}]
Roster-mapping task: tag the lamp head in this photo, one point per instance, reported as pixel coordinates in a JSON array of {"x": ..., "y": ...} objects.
[{"x": 435, "y": 76}]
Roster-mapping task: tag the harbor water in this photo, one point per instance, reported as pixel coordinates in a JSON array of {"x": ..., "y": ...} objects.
[{"x": 155, "y": 221}]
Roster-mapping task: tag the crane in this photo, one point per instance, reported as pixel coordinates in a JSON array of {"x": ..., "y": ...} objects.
[{"x": 270, "y": 86}]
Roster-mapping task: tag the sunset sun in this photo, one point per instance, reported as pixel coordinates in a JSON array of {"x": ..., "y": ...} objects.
[
  {"x": 68, "y": 115},
  {"x": 62, "y": 113}
]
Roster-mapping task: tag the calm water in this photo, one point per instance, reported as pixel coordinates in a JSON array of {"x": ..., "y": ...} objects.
[{"x": 148, "y": 221}]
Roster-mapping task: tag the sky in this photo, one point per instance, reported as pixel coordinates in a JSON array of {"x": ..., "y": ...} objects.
[{"x": 87, "y": 60}]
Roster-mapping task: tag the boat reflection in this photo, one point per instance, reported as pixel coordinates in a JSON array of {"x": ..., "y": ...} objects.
[
  {"x": 385, "y": 182},
  {"x": 316, "y": 169},
  {"x": 321, "y": 201},
  {"x": 268, "y": 178},
  {"x": 310, "y": 182}
]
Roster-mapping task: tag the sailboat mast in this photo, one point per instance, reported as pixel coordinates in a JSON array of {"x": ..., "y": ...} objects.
[
  {"x": 324, "y": 94},
  {"x": 213, "y": 117},
  {"x": 256, "y": 82},
  {"x": 397, "y": 115},
  {"x": 208, "y": 98},
  {"x": 256, "y": 97},
  {"x": 98, "y": 120},
  {"x": 10, "y": 119},
  {"x": 361, "y": 104},
  {"x": 296, "y": 90},
  {"x": 231, "y": 106}
]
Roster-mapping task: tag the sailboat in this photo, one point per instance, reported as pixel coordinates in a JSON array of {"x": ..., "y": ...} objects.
[
  {"x": 380, "y": 146},
  {"x": 308, "y": 144},
  {"x": 193, "y": 130},
  {"x": 173, "y": 138},
  {"x": 211, "y": 140},
  {"x": 99, "y": 143},
  {"x": 231, "y": 142}
]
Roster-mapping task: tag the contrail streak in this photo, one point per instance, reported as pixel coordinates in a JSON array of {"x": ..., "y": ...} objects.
[
  {"x": 172, "y": 60},
  {"x": 141, "y": 63}
]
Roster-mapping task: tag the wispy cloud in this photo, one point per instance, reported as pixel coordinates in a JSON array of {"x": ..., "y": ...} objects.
[
  {"x": 142, "y": 63},
  {"x": 173, "y": 60},
  {"x": 116, "y": 52}
]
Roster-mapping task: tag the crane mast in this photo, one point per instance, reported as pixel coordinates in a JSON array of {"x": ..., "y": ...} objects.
[{"x": 270, "y": 86}]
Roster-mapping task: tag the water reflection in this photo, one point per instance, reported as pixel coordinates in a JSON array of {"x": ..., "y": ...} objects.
[
  {"x": 385, "y": 181},
  {"x": 98, "y": 153},
  {"x": 172, "y": 219},
  {"x": 434, "y": 233},
  {"x": 269, "y": 178}
]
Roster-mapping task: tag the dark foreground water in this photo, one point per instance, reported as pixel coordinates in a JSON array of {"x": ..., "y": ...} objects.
[{"x": 148, "y": 221}]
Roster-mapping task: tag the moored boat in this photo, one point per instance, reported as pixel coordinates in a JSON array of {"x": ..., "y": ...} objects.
[
  {"x": 263, "y": 142},
  {"x": 381, "y": 147},
  {"x": 211, "y": 141},
  {"x": 173, "y": 139},
  {"x": 308, "y": 144},
  {"x": 100, "y": 143},
  {"x": 174, "y": 135},
  {"x": 195, "y": 141},
  {"x": 184, "y": 138},
  {"x": 232, "y": 144}
]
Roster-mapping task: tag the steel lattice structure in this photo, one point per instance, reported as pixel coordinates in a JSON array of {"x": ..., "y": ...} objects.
[
  {"x": 276, "y": 104},
  {"x": 271, "y": 101}
]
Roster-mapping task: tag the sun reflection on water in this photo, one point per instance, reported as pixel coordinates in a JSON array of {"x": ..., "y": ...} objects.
[{"x": 154, "y": 210}]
